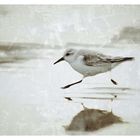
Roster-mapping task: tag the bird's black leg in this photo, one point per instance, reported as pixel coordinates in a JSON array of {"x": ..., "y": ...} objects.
[
  {"x": 67, "y": 86},
  {"x": 114, "y": 82}
]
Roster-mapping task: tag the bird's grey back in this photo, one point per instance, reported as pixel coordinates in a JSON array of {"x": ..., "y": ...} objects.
[{"x": 92, "y": 58}]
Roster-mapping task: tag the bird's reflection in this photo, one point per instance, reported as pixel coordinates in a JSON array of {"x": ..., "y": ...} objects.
[{"x": 92, "y": 119}]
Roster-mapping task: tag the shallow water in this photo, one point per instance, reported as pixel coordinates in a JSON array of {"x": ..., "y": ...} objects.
[{"x": 32, "y": 102}]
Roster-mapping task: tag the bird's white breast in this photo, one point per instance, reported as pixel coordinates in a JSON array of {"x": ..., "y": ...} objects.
[{"x": 85, "y": 70}]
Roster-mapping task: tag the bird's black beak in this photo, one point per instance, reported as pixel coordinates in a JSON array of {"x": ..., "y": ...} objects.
[{"x": 61, "y": 59}]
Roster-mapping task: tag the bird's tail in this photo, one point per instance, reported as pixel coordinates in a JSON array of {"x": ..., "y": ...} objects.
[
  {"x": 121, "y": 59},
  {"x": 128, "y": 59},
  {"x": 117, "y": 60}
]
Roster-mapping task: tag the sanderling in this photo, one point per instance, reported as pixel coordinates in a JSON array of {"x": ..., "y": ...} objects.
[{"x": 90, "y": 63}]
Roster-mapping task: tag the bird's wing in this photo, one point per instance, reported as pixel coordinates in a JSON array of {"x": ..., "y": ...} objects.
[
  {"x": 100, "y": 59},
  {"x": 92, "y": 60}
]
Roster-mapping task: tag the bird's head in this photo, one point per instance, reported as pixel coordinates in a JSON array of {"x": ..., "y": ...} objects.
[{"x": 68, "y": 56}]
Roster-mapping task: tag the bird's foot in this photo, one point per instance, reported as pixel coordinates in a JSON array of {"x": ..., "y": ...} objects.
[
  {"x": 68, "y": 98},
  {"x": 114, "y": 82},
  {"x": 67, "y": 86}
]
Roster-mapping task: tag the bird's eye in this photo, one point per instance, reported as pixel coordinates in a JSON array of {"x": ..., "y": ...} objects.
[{"x": 67, "y": 54}]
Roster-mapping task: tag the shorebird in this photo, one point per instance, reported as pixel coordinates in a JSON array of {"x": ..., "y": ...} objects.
[{"x": 90, "y": 63}]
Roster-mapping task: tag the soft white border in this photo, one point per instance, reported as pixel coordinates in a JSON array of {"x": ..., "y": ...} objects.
[
  {"x": 92, "y": 137},
  {"x": 69, "y": 1}
]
